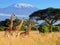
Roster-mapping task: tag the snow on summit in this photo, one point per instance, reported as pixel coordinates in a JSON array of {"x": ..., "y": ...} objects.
[
  {"x": 20, "y": 9},
  {"x": 19, "y": 5}
]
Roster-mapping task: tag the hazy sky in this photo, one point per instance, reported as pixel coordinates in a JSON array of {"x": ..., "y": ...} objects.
[{"x": 37, "y": 3}]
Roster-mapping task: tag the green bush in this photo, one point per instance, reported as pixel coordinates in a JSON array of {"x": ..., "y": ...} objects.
[
  {"x": 34, "y": 28},
  {"x": 2, "y": 28},
  {"x": 43, "y": 28},
  {"x": 56, "y": 28}
]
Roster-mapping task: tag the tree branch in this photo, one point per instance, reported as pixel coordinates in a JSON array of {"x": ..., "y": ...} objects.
[{"x": 47, "y": 21}]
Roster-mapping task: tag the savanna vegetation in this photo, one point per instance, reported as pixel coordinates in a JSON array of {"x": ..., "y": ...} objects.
[
  {"x": 49, "y": 15},
  {"x": 34, "y": 39},
  {"x": 45, "y": 33}
]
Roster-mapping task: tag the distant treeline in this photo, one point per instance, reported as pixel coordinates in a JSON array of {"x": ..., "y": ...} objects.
[
  {"x": 43, "y": 27},
  {"x": 49, "y": 15}
]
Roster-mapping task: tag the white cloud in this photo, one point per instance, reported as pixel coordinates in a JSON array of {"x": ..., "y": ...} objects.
[{"x": 1, "y": 14}]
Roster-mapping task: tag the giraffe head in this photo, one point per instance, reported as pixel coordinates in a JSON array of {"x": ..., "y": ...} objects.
[
  {"x": 25, "y": 20},
  {"x": 13, "y": 16}
]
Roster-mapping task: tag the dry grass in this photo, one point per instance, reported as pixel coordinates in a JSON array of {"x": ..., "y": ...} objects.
[{"x": 34, "y": 39}]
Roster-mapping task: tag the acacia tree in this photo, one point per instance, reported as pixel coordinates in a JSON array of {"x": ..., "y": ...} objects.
[
  {"x": 49, "y": 15},
  {"x": 30, "y": 23}
]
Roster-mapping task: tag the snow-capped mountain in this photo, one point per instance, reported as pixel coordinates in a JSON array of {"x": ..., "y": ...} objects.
[
  {"x": 20, "y": 5},
  {"x": 18, "y": 9}
]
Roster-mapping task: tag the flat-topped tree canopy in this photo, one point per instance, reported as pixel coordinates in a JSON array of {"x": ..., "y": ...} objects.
[{"x": 50, "y": 15}]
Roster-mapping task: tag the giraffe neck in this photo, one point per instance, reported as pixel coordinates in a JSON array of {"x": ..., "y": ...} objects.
[
  {"x": 28, "y": 29},
  {"x": 19, "y": 25},
  {"x": 11, "y": 23}
]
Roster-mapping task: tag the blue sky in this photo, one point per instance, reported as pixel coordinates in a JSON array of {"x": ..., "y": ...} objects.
[
  {"x": 37, "y": 3},
  {"x": 41, "y": 4}
]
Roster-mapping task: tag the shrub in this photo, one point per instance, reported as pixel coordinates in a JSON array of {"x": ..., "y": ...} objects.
[
  {"x": 2, "y": 28},
  {"x": 43, "y": 28},
  {"x": 56, "y": 28}
]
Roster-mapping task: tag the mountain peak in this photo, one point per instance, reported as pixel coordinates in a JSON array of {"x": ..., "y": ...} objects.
[
  {"x": 20, "y": 9},
  {"x": 19, "y": 5}
]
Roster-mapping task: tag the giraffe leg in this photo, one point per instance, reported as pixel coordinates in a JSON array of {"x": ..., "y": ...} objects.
[
  {"x": 7, "y": 35},
  {"x": 18, "y": 34}
]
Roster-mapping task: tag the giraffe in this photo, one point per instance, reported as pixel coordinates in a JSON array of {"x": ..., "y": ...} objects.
[
  {"x": 27, "y": 32},
  {"x": 8, "y": 32},
  {"x": 18, "y": 27}
]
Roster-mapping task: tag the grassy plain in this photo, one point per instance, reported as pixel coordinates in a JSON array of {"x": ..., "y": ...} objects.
[{"x": 34, "y": 39}]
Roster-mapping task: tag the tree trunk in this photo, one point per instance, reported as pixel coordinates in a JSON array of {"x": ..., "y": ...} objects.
[
  {"x": 50, "y": 28},
  {"x": 29, "y": 26}
]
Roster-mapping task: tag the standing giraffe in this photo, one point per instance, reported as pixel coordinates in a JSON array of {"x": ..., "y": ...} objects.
[
  {"x": 27, "y": 32},
  {"x": 8, "y": 32},
  {"x": 18, "y": 27}
]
